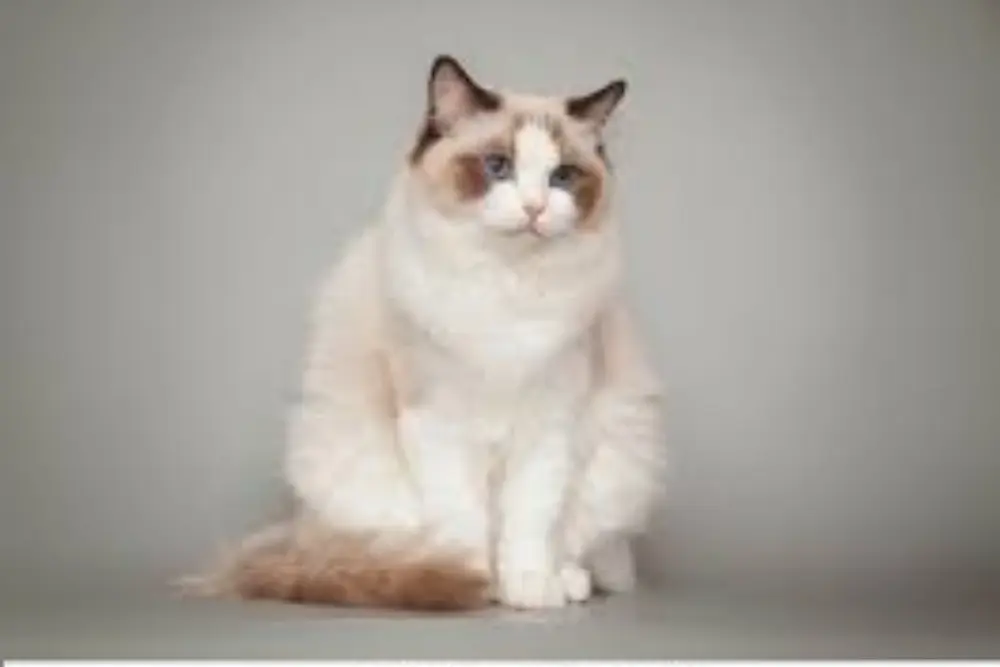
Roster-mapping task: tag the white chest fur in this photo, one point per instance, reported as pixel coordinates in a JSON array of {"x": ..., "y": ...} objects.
[{"x": 504, "y": 324}]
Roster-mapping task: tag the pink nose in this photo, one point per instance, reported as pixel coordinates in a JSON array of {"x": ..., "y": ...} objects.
[{"x": 534, "y": 209}]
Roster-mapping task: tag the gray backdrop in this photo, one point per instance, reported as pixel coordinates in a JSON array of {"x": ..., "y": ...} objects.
[{"x": 812, "y": 196}]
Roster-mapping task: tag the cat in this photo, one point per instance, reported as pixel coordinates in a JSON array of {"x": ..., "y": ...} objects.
[{"x": 479, "y": 423}]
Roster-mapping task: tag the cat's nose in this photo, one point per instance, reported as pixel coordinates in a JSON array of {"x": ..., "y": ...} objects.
[{"x": 533, "y": 209}]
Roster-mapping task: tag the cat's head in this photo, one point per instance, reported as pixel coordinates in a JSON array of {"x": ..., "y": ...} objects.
[{"x": 514, "y": 164}]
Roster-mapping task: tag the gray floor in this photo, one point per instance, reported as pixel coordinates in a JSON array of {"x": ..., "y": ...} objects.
[{"x": 666, "y": 624}]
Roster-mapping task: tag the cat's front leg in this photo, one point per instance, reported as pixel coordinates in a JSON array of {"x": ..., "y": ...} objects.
[
  {"x": 448, "y": 472},
  {"x": 530, "y": 565}
]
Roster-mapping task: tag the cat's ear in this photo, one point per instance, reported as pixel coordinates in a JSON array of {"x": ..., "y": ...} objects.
[
  {"x": 452, "y": 94},
  {"x": 596, "y": 107}
]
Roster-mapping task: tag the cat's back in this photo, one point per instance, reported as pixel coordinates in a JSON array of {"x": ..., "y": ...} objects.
[{"x": 348, "y": 304}]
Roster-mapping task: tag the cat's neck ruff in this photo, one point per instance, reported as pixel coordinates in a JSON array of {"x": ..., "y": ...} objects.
[{"x": 491, "y": 301}]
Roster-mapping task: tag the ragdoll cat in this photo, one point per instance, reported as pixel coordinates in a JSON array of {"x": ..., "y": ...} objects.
[{"x": 478, "y": 421}]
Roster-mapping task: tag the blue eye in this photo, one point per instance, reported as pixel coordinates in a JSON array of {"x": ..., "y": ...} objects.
[
  {"x": 497, "y": 166},
  {"x": 563, "y": 176}
]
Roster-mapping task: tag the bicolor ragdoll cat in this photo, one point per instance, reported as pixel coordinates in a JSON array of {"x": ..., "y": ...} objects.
[{"x": 478, "y": 421}]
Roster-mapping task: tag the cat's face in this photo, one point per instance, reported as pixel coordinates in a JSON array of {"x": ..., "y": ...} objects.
[{"x": 513, "y": 164}]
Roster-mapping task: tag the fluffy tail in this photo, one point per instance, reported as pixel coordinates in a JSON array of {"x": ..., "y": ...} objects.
[{"x": 305, "y": 562}]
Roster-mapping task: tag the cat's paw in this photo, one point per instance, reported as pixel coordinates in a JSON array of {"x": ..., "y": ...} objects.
[
  {"x": 576, "y": 582},
  {"x": 614, "y": 567},
  {"x": 531, "y": 588}
]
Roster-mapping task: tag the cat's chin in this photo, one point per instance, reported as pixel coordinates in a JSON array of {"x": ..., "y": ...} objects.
[
  {"x": 528, "y": 233},
  {"x": 521, "y": 241}
]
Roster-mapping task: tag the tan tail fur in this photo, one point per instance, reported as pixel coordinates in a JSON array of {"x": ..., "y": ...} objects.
[{"x": 304, "y": 562}]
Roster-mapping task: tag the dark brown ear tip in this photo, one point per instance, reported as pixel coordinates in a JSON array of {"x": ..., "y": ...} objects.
[
  {"x": 615, "y": 90},
  {"x": 444, "y": 60}
]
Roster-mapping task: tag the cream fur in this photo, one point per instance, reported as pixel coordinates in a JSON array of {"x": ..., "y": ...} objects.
[
  {"x": 495, "y": 395},
  {"x": 477, "y": 409}
]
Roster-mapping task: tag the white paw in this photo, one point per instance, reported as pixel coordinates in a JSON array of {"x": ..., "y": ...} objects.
[
  {"x": 616, "y": 581},
  {"x": 576, "y": 583},
  {"x": 614, "y": 567},
  {"x": 524, "y": 588}
]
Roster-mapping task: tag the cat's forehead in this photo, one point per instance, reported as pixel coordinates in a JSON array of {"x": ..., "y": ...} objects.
[
  {"x": 533, "y": 123},
  {"x": 526, "y": 104},
  {"x": 536, "y": 143},
  {"x": 536, "y": 114}
]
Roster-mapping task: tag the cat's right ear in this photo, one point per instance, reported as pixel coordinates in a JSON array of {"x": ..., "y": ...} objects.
[{"x": 452, "y": 94}]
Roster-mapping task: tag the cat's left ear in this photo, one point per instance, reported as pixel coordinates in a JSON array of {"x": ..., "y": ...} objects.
[{"x": 596, "y": 107}]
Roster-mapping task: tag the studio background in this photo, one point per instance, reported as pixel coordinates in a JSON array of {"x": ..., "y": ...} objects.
[{"x": 811, "y": 193}]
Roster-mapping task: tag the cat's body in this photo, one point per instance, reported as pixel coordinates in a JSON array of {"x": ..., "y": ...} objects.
[{"x": 478, "y": 420}]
